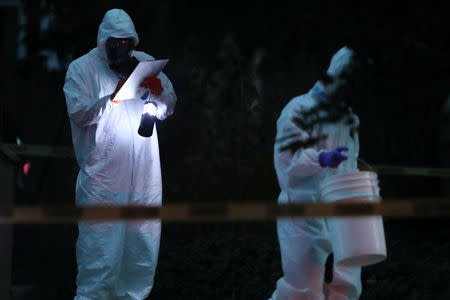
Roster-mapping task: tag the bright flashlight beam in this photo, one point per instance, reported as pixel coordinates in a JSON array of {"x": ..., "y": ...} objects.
[{"x": 150, "y": 108}]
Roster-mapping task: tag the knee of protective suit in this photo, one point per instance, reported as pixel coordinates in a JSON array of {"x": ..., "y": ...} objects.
[
  {"x": 346, "y": 284},
  {"x": 310, "y": 279},
  {"x": 301, "y": 249}
]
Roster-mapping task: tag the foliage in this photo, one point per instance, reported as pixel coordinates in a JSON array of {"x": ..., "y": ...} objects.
[{"x": 241, "y": 71}]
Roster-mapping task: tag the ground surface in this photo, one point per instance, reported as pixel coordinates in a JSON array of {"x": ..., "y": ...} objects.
[{"x": 242, "y": 261}]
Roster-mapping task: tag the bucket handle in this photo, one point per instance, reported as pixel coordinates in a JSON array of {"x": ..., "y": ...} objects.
[{"x": 366, "y": 164}]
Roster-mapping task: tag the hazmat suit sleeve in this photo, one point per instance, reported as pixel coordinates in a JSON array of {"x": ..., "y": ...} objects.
[
  {"x": 303, "y": 162},
  {"x": 83, "y": 104},
  {"x": 167, "y": 100}
]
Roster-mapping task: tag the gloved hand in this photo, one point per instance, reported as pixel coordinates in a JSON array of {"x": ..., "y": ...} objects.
[
  {"x": 153, "y": 85},
  {"x": 333, "y": 158},
  {"x": 119, "y": 85}
]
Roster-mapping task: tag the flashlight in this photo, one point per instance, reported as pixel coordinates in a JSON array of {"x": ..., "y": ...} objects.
[{"x": 148, "y": 119}]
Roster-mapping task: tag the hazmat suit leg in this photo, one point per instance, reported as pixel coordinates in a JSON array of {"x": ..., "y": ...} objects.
[
  {"x": 139, "y": 260},
  {"x": 99, "y": 257},
  {"x": 142, "y": 239},
  {"x": 100, "y": 245},
  {"x": 305, "y": 246},
  {"x": 304, "y": 249},
  {"x": 346, "y": 284}
]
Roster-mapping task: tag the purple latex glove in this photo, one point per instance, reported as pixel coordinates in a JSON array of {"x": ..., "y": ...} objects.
[{"x": 333, "y": 158}]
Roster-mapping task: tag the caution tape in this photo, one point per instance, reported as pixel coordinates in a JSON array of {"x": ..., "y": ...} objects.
[
  {"x": 67, "y": 152},
  {"x": 227, "y": 212},
  {"x": 41, "y": 150}
]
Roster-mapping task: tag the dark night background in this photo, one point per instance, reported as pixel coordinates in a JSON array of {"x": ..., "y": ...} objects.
[{"x": 234, "y": 65}]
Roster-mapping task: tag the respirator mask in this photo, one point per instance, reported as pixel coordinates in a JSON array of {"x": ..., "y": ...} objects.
[{"x": 118, "y": 51}]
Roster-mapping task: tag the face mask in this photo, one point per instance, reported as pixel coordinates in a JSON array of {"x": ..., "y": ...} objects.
[{"x": 118, "y": 52}]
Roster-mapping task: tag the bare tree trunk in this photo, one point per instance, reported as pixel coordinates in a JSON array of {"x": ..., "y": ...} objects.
[
  {"x": 8, "y": 52},
  {"x": 32, "y": 11}
]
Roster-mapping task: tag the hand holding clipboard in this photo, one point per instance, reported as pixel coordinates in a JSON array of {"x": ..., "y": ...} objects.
[{"x": 144, "y": 69}]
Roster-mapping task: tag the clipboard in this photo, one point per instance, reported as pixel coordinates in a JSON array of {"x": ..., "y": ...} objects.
[{"x": 149, "y": 68}]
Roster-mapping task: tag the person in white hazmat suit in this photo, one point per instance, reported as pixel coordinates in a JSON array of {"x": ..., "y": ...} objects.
[
  {"x": 118, "y": 167},
  {"x": 305, "y": 242}
]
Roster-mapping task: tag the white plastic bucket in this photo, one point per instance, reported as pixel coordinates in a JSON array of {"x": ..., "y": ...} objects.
[
  {"x": 356, "y": 241},
  {"x": 348, "y": 178}
]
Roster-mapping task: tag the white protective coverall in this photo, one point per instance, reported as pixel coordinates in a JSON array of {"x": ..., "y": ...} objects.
[
  {"x": 305, "y": 242},
  {"x": 116, "y": 260}
]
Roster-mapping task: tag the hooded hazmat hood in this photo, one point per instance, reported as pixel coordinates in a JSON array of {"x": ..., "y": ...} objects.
[
  {"x": 117, "y": 24},
  {"x": 340, "y": 61}
]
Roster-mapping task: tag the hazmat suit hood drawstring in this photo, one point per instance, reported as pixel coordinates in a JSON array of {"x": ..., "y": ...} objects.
[{"x": 117, "y": 24}]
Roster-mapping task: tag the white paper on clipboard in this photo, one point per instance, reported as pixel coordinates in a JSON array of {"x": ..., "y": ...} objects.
[{"x": 149, "y": 68}]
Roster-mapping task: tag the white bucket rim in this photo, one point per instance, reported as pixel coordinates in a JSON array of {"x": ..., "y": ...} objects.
[
  {"x": 326, "y": 183},
  {"x": 334, "y": 189},
  {"x": 353, "y": 199},
  {"x": 361, "y": 260},
  {"x": 360, "y": 175}
]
